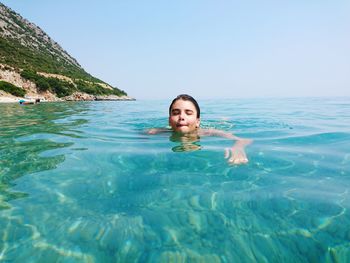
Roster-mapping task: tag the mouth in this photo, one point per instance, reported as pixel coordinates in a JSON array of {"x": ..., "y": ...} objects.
[{"x": 181, "y": 125}]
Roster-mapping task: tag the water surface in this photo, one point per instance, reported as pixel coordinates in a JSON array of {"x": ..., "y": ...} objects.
[{"x": 83, "y": 182}]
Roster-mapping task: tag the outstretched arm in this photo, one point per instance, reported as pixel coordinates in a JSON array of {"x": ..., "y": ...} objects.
[{"x": 236, "y": 154}]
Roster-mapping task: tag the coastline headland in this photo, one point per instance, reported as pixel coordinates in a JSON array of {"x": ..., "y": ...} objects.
[
  {"x": 8, "y": 98},
  {"x": 12, "y": 76},
  {"x": 34, "y": 66}
]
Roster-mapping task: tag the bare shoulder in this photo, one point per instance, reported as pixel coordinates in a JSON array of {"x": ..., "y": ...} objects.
[
  {"x": 157, "y": 130},
  {"x": 205, "y": 132}
]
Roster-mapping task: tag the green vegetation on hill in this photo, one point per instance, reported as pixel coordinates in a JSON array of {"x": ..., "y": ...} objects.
[
  {"x": 16, "y": 55},
  {"x": 95, "y": 89},
  {"x": 12, "y": 89},
  {"x": 64, "y": 88},
  {"x": 60, "y": 87},
  {"x": 29, "y": 50}
]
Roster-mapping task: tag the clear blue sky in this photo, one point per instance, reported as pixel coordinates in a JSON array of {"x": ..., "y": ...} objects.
[{"x": 210, "y": 49}]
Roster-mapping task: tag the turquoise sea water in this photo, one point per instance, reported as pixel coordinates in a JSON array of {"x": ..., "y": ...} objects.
[{"x": 82, "y": 182}]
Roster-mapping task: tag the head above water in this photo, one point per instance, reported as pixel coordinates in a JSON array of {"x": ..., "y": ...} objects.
[
  {"x": 184, "y": 114},
  {"x": 186, "y": 97}
]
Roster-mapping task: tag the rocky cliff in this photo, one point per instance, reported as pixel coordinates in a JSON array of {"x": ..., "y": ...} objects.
[{"x": 33, "y": 63}]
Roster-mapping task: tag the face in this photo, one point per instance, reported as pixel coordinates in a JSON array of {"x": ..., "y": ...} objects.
[{"x": 183, "y": 117}]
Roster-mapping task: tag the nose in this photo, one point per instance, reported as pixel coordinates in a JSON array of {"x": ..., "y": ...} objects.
[{"x": 182, "y": 116}]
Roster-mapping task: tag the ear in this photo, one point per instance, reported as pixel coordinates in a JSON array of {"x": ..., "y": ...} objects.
[{"x": 198, "y": 123}]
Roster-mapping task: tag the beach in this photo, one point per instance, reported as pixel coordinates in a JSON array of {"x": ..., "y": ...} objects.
[
  {"x": 9, "y": 99},
  {"x": 73, "y": 97}
]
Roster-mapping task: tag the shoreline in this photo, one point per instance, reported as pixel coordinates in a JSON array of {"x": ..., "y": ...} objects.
[
  {"x": 8, "y": 100},
  {"x": 13, "y": 99}
]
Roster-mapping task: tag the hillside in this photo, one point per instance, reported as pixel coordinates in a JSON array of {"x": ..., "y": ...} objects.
[{"x": 33, "y": 63}]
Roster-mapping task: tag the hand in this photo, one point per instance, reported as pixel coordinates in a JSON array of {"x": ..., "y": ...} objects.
[
  {"x": 152, "y": 131},
  {"x": 237, "y": 152}
]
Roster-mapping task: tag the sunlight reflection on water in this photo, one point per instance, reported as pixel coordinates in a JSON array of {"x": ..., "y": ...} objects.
[{"x": 83, "y": 182}]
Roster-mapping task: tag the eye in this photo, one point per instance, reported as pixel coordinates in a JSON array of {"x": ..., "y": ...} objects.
[
  {"x": 189, "y": 112},
  {"x": 175, "y": 112}
]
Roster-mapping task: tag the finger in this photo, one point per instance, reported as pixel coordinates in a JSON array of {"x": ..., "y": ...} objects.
[
  {"x": 227, "y": 153},
  {"x": 233, "y": 160},
  {"x": 237, "y": 161}
]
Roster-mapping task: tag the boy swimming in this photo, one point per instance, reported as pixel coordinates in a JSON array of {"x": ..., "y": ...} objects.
[{"x": 184, "y": 120}]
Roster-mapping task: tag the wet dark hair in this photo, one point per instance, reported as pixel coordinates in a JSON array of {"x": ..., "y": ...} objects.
[{"x": 186, "y": 97}]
